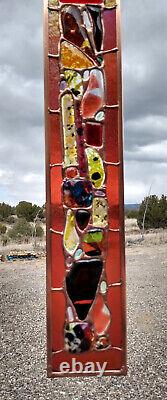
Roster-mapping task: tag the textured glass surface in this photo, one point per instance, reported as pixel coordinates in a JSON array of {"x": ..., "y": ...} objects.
[{"x": 84, "y": 186}]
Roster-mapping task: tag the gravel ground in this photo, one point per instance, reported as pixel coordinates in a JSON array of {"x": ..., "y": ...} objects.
[{"x": 23, "y": 363}]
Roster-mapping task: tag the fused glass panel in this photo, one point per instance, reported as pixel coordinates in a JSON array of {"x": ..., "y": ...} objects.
[{"x": 84, "y": 175}]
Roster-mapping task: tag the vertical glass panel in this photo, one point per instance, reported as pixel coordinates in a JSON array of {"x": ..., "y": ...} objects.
[{"x": 111, "y": 73}]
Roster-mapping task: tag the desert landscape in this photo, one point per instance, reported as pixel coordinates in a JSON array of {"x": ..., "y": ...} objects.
[{"x": 23, "y": 327}]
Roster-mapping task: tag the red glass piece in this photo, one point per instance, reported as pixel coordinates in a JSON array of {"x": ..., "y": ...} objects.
[
  {"x": 112, "y": 136},
  {"x": 71, "y": 172},
  {"x": 109, "y": 21},
  {"x": 113, "y": 258},
  {"x": 56, "y": 208},
  {"x": 92, "y": 249},
  {"x": 94, "y": 95},
  {"x": 111, "y": 75},
  {"x": 93, "y": 134},
  {"x": 73, "y": 29},
  {"x": 114, "y": 297},
  {"x": 113, "y": 196},
  {"x": 100, "y": 315},
  {"x": 54, "y": 139},
  {"x": 53, "y": 100},
  {"x": 57, "y": 259},
  {"x": 57, "y": 319}
]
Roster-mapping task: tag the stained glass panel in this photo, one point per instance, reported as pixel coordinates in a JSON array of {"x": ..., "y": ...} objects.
[{"x": 84, "y": 176}]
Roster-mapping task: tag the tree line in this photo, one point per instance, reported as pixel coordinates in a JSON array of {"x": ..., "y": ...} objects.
[
  {"x": 152, "y": 213},
  {"x": 21, "y": 222}
]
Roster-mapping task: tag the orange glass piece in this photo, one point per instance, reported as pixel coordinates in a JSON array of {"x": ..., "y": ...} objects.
[
  {"x": 94, "y": 95},
  {"x": 71, "y": 57},
  {"x": 100, "y": 315}
]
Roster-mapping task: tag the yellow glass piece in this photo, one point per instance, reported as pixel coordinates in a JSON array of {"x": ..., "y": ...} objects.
[
  {"x": 95, "y": 168},
  {"x": 71, "y": 57},
  {"x": 53, "y": 3},
  {"x": 74, "y": 81},
  {"x": 85, "y": 44},
  {"x": 110, "y": 3},
  {"x": 70, "y": 238},
  {"x": 69, "y": 130},
  {"x": 100, "y": 209}
]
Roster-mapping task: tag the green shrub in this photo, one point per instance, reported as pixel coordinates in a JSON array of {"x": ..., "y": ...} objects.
[
  {"x": 155, "y": 211},
  {"x": 2, "y": 229},
  {"x": 5, "y": 211},
  {"x": 39, "y": 231},
  {"x": 21, "y": 229},
  {"x": 27, "y": 210},
  {"x": 132, "y": 214}
]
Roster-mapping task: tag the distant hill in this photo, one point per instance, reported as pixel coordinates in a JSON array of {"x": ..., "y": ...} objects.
[{"x": 132, "y": 206}]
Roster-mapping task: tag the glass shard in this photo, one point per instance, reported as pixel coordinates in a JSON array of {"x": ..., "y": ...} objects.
[
  {"x": 79, "y": 337},
  {"x": 94, "y": 95},
  {"x": 81, "y": 282},
  {"x": 78, "y": 254},
  {"x": 110, "y": 3},
  {"x": 70, "y": 315},
  {"x": 93, "y": 235},
  {"x": 77, "y": 193},
  {"x": 92, "y": 249},
  {"x": 74, "y": 81},
  {"x": 95, "y": 13},
  {"x": 70, "y": 237},
  {"x": 71, "y": 172},
  {"x": 102, "y": 343},
  {"x": 73, "y": 29},
  {"x": 69, "y": 130},
  {"x": 93, "y": 134},
  {"x": 100, "y": 316},
  {"x": 82, "y": 218},
  {"x": 100, "y": 209},
  {"x": 99, "y": 116},
  {"x": 72, "y": 57},
  {"x": 95, "y": 168},
  {"x": 103, "y": 287}
]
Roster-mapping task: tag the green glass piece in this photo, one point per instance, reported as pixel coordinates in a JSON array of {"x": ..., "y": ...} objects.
[
  {"x": 95, "y": 167},
  {"x": 93, "y": 236},
  {"x": 74, "y": 81}
]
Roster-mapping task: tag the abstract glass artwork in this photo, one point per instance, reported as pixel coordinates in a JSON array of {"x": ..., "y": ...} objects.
[{"x": 84, "y": 182}]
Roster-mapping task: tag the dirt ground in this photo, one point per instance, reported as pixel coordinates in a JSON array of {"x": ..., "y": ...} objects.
[{"x": 23, "y": 333}]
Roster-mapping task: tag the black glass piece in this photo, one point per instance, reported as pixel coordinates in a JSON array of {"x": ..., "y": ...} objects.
[
  {"x": 97, "y": 25},
  {"x": 81, "y": 282},
  {"x": 82, "y": 218}
]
